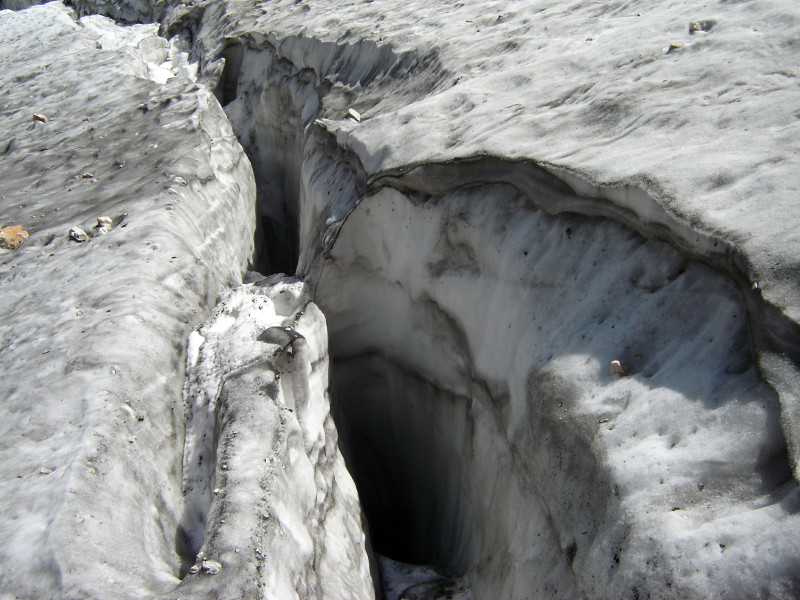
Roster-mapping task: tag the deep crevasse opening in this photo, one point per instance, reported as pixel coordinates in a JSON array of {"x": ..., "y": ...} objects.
[{"x": 409, "y": 478}]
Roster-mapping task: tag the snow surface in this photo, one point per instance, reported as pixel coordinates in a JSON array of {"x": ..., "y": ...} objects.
[
  {"x": 93, "y": 334},
  {"x": 533, "y": 190}
]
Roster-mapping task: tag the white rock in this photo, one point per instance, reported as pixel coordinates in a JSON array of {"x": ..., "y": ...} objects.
[
  {"x": 78, "y": 235},
  {"x": 211, "y": 567}
]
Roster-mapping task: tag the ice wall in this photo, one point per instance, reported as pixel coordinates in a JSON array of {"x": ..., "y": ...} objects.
[{"x": 489, "y": 436}]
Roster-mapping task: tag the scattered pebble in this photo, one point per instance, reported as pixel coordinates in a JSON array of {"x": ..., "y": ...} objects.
[
  {"x": 40, "y": 117},
  {"x": 12, "y": 237},
  {"x": 46, "y": 470},
  {"x": 673, "y": 47},
  {"x": 354, "y": 114},
  {"x": 618, "y": 368},
  {"x": 704, "y": 25},
  {"x": 211, "y": 567},
  {"x": 103, "y": 226},
  {"x": 86, "y": 176},
  {"x": 77, "y": 234}
]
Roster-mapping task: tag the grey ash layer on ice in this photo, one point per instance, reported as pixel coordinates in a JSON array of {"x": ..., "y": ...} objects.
[{"x": 540, "y": 310}]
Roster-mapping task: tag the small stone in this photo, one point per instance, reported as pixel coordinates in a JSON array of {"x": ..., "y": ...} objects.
[
  {"x": 77, "y": 234},
  {"x": 618, "y": 368},
  {"x": 46, "y": 470},
  {"x": 194, "y": 569},
  {"x": 354, "y": 114},
  {"x": 211, "y": 567},
  {"x": 86, "y": 176},
  {"x": 704, "y": 26},
  {"x": 12, "y": 237},
  {"x": 673, "y": 47},
  {"x": 40, "y": 117},
  {"x": 103, "y": 226}
]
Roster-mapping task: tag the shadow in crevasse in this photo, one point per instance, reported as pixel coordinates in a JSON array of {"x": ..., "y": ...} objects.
[{"x": 185, "y": 551}]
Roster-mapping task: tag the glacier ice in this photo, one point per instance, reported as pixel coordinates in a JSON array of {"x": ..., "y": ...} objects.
[{"x": 531, "y": 195}]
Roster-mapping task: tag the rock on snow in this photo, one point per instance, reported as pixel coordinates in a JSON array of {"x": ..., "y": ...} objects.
[{"x": 490, "y": 203}]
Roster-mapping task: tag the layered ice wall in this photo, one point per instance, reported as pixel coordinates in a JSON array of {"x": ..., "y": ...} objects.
[{"x": 488, "y": 436}]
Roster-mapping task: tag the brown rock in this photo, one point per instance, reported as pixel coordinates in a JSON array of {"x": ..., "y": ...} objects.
[{"x": 12, "y": 237}]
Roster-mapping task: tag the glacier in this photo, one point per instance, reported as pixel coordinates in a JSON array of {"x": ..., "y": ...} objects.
[{"x": 422, "y": 300}]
